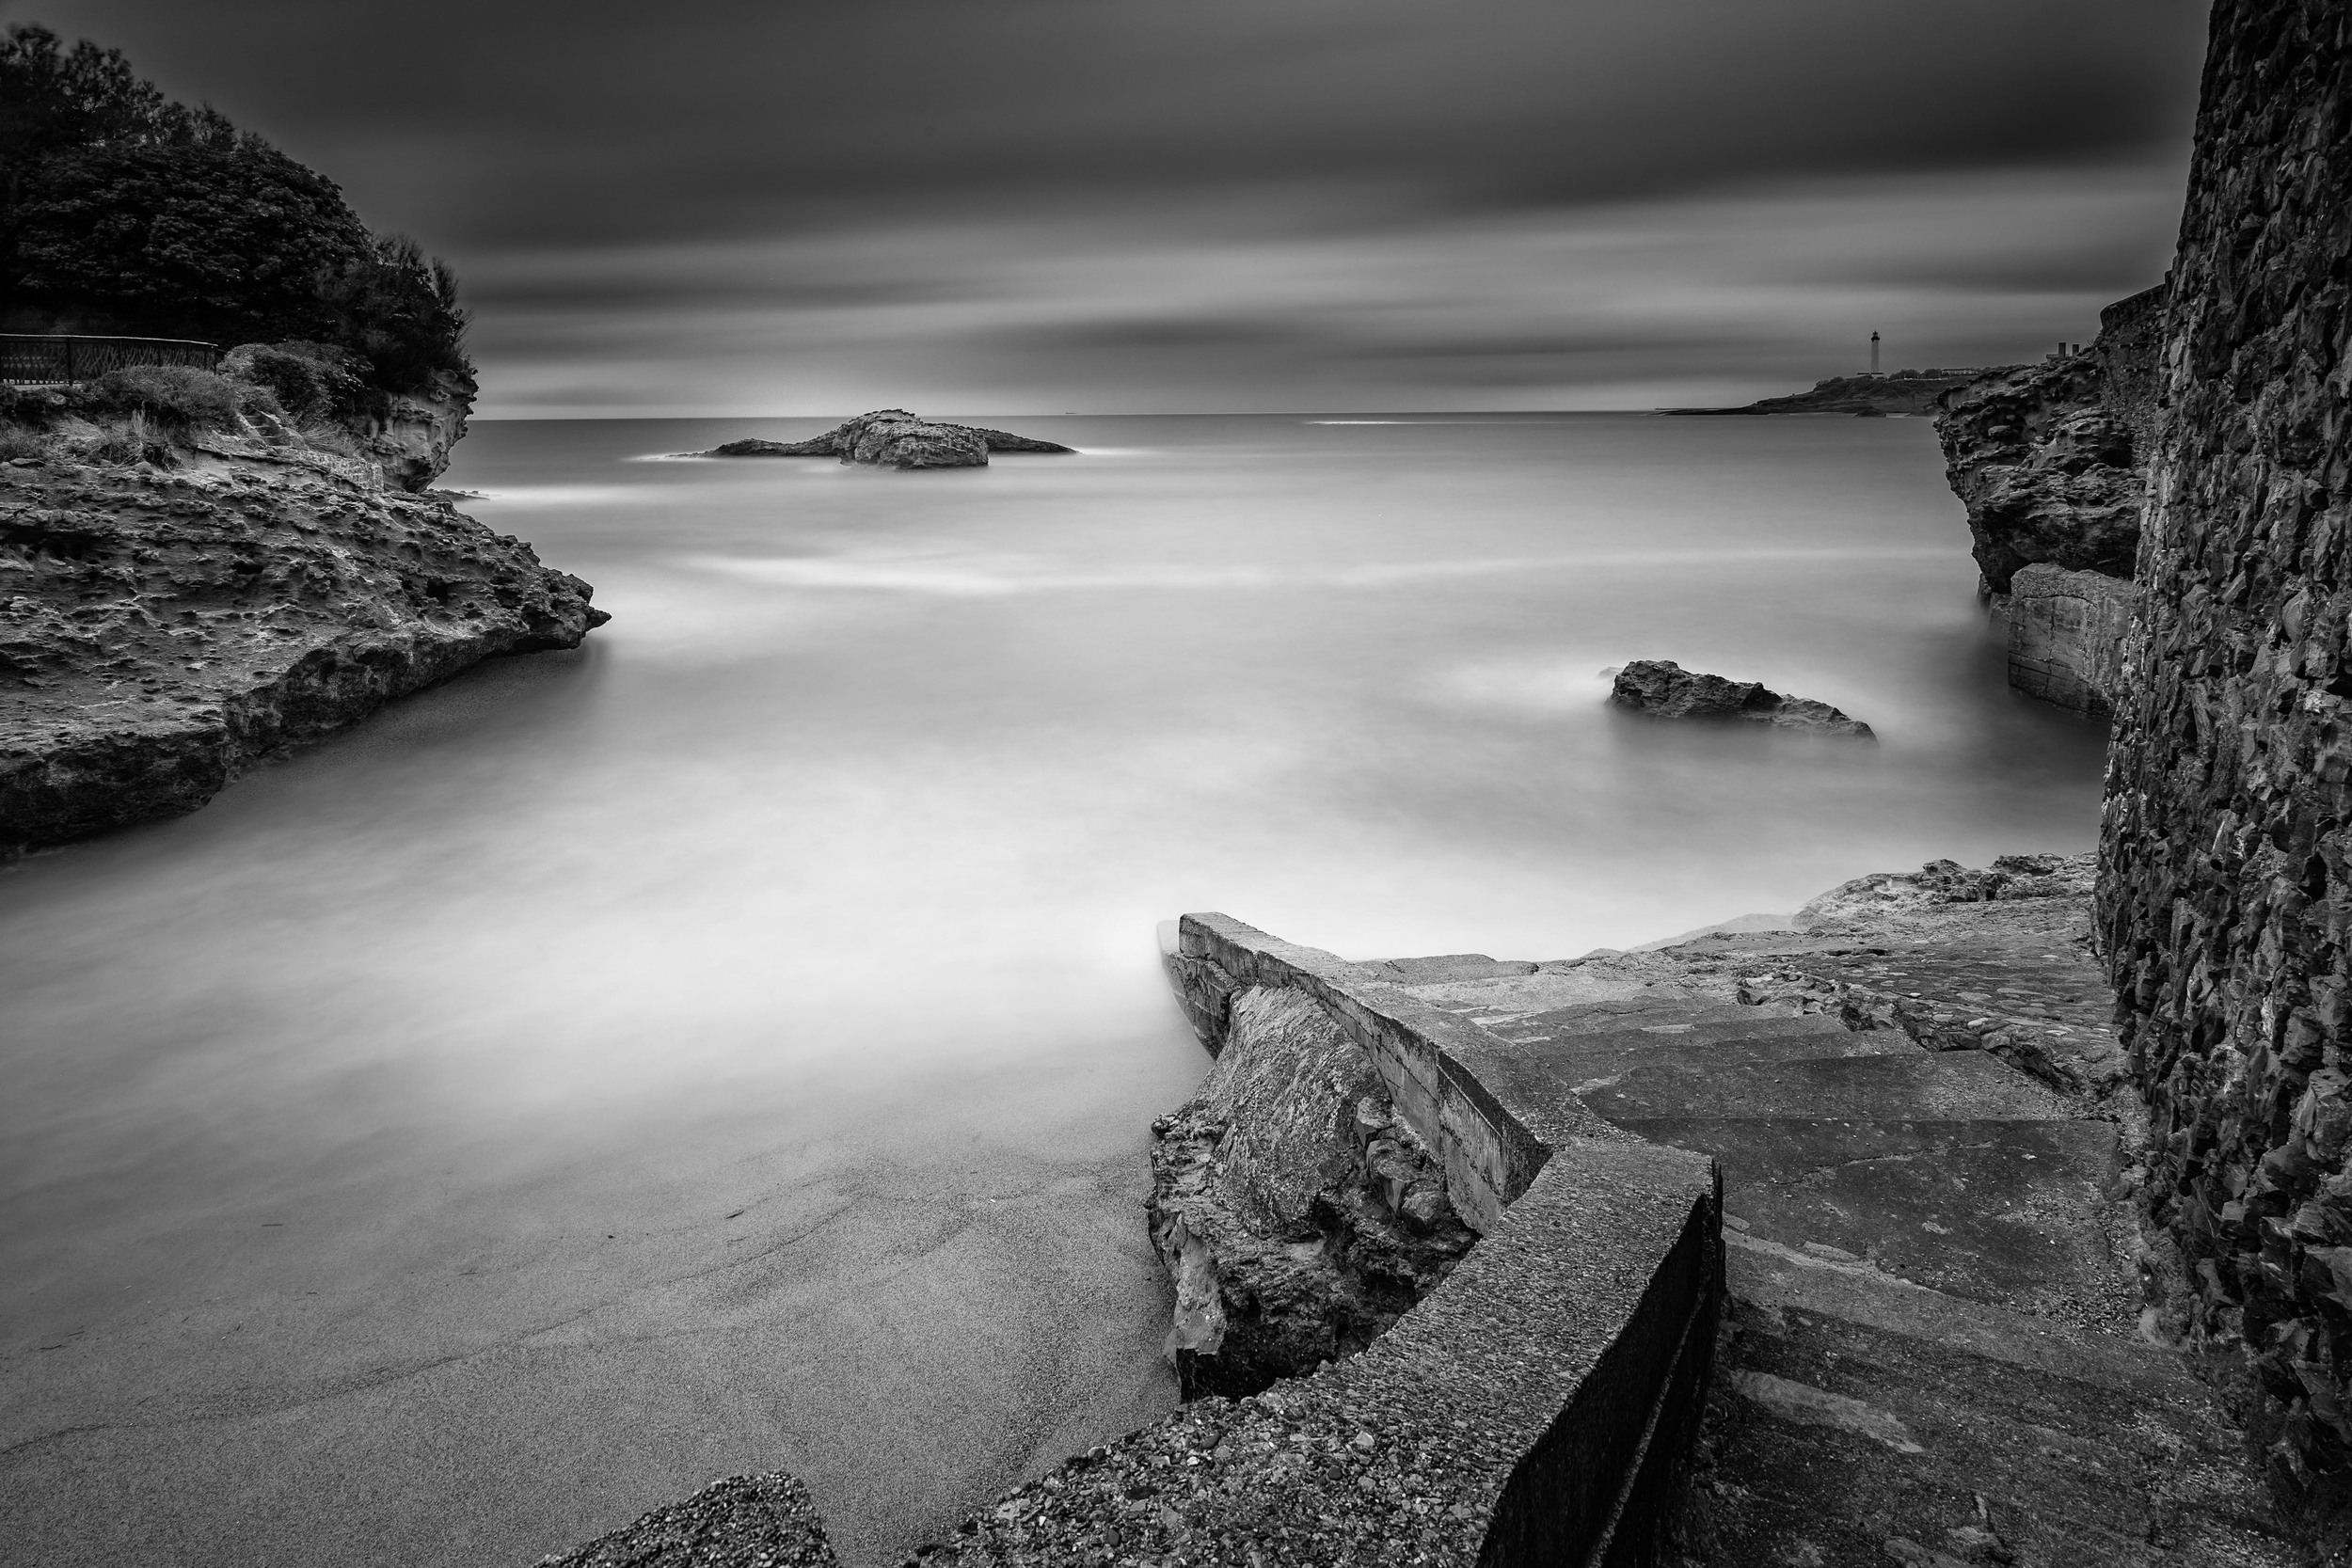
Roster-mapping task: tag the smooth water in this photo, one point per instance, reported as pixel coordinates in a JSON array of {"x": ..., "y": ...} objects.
[{"x": 733, "y": 1045}]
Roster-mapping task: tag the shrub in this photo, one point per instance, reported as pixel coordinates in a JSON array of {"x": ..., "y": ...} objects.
[
  {"x": 132, "y": 441},
  {"x": 17, "y": 440},
  {"x": 311, "y": 382},
  {"x": 174, "y": 397}
]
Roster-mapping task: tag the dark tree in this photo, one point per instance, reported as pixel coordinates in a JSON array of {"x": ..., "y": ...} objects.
[{"x": 122, "y": 210}]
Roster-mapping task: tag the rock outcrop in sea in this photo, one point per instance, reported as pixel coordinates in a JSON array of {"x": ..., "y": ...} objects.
[
  {"x": 1664, "y": 688},
  {"x": 893, "y": 438}
]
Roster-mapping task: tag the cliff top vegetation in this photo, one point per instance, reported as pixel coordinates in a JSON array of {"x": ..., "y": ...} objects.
[{"x": 122, "y": 212}]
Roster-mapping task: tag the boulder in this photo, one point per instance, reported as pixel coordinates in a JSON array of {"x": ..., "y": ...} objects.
[
  {"x": 893, "y": 438},
  {"x": 1298, "y": 1215},
  {"x": 1664, "y": 688}
]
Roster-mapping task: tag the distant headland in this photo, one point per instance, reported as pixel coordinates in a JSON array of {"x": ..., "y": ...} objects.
[{"x": 1866, "y": 396}]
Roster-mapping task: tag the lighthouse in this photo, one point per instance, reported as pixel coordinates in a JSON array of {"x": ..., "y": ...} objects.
[{"x": 1874, "y": 354}]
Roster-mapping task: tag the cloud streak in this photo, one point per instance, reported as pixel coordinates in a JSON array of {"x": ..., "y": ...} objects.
[{"x": 741, "y": 207}]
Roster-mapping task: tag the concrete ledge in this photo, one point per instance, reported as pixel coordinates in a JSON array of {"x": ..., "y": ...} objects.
[
  {"x": 1447, "y": 1077},
  {"x": 1537, "y": 1407}
]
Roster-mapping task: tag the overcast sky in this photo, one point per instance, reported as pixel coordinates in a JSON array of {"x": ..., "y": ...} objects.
[{"x": 763, "y": 206}]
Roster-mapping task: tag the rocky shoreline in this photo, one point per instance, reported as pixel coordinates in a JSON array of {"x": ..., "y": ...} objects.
[{"x": 173, "y": 614}]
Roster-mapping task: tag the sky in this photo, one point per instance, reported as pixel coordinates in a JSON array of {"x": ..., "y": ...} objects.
[{"x": 773, "y": 207}]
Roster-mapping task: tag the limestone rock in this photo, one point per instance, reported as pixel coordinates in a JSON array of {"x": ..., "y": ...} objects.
[
  {"x": 411, "y": 440},
  {"x": 1663, "y": 687},
  {"x": 1298, "y": 1215},
  {"x": 1866, "y": 902},
  {"x": 2048, "y": 457},
  {"x": 161, "y": 630},
  {"x": 892, "y": 438}
]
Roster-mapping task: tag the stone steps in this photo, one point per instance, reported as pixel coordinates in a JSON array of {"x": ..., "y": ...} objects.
[
  {"x": 1930, "y": 1361},
  {"x": 1868, "y": 1421}
]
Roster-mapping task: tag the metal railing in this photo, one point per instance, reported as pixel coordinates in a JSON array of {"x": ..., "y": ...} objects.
[{"x": 51, "y": 357}]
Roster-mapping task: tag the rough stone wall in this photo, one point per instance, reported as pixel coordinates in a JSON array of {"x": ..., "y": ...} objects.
[
  {"x": 2225, "y": 890},
  {"x": 2066, "y": 632}
]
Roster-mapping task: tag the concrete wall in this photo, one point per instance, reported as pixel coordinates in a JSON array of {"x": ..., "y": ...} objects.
[
  {"x": 2066, "y": 635},
  {"x": 1600, "y": 1279},
  {"x": 1443, "y": 1073},
  {"x": 2226, "y": 889}
]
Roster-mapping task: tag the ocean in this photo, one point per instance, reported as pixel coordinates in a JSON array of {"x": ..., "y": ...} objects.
[{"x": 733, "y": 1044}]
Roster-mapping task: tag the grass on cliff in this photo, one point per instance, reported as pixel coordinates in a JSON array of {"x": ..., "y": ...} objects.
[{"x": 153, "y": 413}]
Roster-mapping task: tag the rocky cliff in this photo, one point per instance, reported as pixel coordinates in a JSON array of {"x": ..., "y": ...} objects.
[
  {"x": 2049, "y": 460},
  {"x": 411, "y": 439},
  {"x": 165, "y": 624},
  {"x": 2226, "y": 891}
]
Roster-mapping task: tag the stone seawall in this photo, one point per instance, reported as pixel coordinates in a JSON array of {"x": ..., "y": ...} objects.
[{"x": 2226, "y": 891}]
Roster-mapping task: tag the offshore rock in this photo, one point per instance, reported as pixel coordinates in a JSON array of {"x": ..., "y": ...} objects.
[
  {"x": 892, "y": 438},
  {"x": 1297, "y": 1213},
  {"x": 2225, "y": 895},
  {"x": 1663, "y": 687},
  {"x": 162, "y": 629},
  {"x": 764, "y": 1521}
]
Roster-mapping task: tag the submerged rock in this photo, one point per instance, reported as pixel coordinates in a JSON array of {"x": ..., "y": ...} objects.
[
  {"x": 893, "y": 438},
  {"x": 1663, "y": 687},
  {"x": 1297, "y": 1213}
]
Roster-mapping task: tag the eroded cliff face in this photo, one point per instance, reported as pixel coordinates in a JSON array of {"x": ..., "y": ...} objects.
[
  {"x": 2226, "y": 889},
  {"x": 162, "y": 628},
  {"x": 2050, "y": 461},
  {"x": 411, "y": 442}
]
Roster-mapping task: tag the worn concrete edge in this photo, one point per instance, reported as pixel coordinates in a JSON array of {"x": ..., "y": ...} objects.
[{"x": 1599, "y": 1281}]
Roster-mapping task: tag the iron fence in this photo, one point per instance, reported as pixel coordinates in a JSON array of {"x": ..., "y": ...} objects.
[{"x": 50, "y": 357}]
